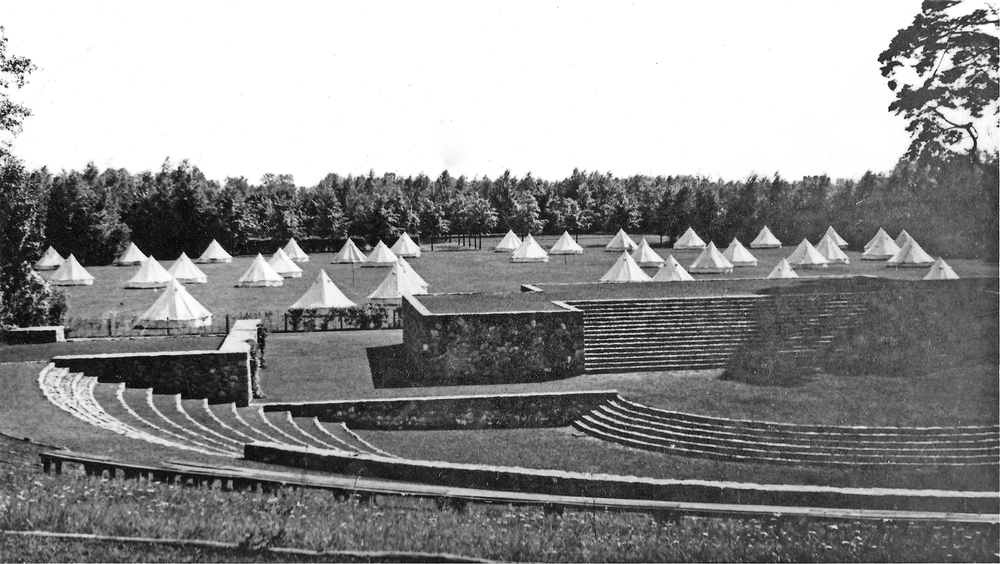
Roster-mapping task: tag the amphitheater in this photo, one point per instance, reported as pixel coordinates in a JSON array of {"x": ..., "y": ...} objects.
[{"x": 546, "y": 351}]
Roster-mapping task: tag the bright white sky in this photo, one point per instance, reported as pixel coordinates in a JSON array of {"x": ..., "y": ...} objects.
[{"x": 719, "y": 88}]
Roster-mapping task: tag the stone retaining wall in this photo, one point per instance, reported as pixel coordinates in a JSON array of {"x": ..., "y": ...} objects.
[
  {"x": 491, "y": 348},
  {"x": 456, "y": 412},
  {"x": 220, "y": 376},
  {"x": 578, "y": 484}
]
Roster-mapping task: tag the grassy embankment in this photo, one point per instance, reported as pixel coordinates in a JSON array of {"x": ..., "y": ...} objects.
[{"x": 319, "y": 521}]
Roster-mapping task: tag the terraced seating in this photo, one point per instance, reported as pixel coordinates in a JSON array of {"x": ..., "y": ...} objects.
[
  {"x": 639, "y": 426},
  {"x": 80, "y": 396},
  {"x": 138, "y": 402},
  {"x": 697, "y": 333},
  {"x": 195, "y": 425}
]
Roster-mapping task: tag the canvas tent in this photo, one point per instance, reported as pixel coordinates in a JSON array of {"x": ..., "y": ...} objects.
[
  {"x": 901, "y": 239},
  {"x": 833, "y": 235},
  {"x": 295, "y": 252},
  {"x": 672, "y": 271},
  {"x": 911, "y": 255},
  {"x": 380, "y": 256},
  {"x": 529, "y": 251},
  {"x": 880, "y": 234},
  {"x": 71, "y": 273},
  {"x": 187, "y": 272},
  {"x": 509, "y": 243},
  {"x": 51, "y": 260},
  {"x": 783, "y": 270},
  {"x": 941, "y": 271},
  {"x": 689, "y": 240},
  {"x": 131, "y": 257},
  {"x": 765, "y": 240},
  {"x": 283, "y": 265},
  {"x": 175, "y": 308},
  {"x": 621, "y": 242},
  {"x": 405, "y": 247},
  {"x": 214, "y": 253},
  {"x": 260, "y": 274},
  {"x": 150, "y": 275},
  {"x": 625, "y": 270},
  {"x": 394, "y": 286},
  {"x": 644, "y": 255},
  {"x": 880, "y": 248},
  {"x": 417, "y": 279},
  {"x": 323, "y": 295},
  {"x": 738, "y": 255},
  {"x": 831, "y": 251},
  {"x": 349, "y": 253},
  {"x": 806, "y": 256},
  {"x": 566, "y": 246},
  {"x": 711, "y": 261}
]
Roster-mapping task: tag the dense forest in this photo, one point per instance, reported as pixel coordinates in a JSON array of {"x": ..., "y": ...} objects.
[{"x": 949, "y": 205}]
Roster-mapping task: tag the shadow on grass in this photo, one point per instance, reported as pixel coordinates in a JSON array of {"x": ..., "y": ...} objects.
[{"x": 391, "y": 368}]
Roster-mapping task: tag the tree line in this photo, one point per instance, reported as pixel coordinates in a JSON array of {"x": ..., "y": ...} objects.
[{"x": 93, "y": 214}]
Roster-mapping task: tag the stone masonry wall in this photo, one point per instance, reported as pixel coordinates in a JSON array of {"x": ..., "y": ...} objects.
[
  {"x": 492, "y": 348},
  {"x": 505, "y": 411},
  {"x": 221, "y": 376}
]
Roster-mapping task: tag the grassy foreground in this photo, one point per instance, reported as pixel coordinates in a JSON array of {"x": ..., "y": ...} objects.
[{"x": 319, "y": 521}]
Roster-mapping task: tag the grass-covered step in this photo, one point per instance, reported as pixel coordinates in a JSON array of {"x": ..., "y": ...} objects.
[
  {"x": 285, "y": 422},
  {"x": 137, "y": 402},
  {"x": 859, "y": 450},
  {"x": 232, "y": 417},
  {"x": 727, "y": 430},
  {"x": 969, "y": 431},
  {"x": 765, "y": 452},
  {"x": 199, "y": 411},
  {"x": 170, "y": 408},
  {"x": 255, "y": 416}
]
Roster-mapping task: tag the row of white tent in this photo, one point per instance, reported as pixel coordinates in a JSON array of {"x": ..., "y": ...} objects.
[
  {"x": 403, "y": 247},
  {"x": 177, "y": 307},
  {"x": 628, "y": 269},
  {"x": 904, "y": 251},
  {"x": 69, "y": 272}
]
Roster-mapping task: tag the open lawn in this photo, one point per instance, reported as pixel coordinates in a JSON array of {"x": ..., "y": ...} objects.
[{"x": 447, "y": 269}]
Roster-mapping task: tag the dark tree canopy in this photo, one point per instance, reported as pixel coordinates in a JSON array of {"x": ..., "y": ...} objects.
[{"x": 943, "y": 69}]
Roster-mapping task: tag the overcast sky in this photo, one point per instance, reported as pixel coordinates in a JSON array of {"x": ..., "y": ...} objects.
[{"x": 719, "y": 88}]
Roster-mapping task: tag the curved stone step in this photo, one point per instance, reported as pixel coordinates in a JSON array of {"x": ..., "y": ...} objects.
[
  {"x": 970, "y": 431},
  {"x": 136, "y": 402},
  {"x": 860, "y": 451},
  {"x": 231, "y": 416},
  {"x": 608, "y": 431},
  {"x": 725, "y": 431},
  {"x": 199, "y": 411},
  {"x": 352, "y": 439}
]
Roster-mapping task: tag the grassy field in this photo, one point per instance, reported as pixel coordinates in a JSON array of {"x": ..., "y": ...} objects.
[
  {"x": 447, "y": 269},
  {"x": 318, "y": 520}
]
